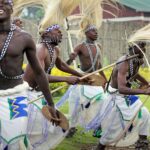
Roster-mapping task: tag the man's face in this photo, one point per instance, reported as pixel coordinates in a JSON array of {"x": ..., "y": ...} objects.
[
  {"x": 55, "y": 36},
  {"x": 92, "y": 34},
  {"x": 5, "y": 10}
]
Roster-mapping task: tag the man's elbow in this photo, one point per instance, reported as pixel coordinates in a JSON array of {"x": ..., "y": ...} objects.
[{"x": 122, "y": 90}]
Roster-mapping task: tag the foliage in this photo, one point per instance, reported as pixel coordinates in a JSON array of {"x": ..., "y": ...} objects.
[
  {"x": 143, "y": 71},
  {"x": 56, "y": 72},
  {"x": 33, "y": 13}
]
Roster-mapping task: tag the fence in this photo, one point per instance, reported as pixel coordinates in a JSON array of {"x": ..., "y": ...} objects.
[{"x": 112, "y": 37}]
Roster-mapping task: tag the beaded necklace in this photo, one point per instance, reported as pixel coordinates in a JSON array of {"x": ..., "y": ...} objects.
[
  {"x": 4, "y": 50},
  {"x": 7, "y": 42},
  {"x": 93, "y": 60},
  {"x": 51, "y": 53},
  {"x": 131, "y": 67}
]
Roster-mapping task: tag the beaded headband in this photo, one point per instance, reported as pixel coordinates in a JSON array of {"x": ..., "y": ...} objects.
[
  {"x": 90, "y": 27},
  {"x": 53, "y": 27},
  {"x": 10, "y": 2}
]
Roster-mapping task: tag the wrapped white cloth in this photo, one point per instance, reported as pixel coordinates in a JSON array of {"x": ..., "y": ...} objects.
[
  {"x": 79, "y": 98},
  {"x": 41, "y": 133},
  {"x": 14, "y": 118},
  {"x": 115, "y": 113}
]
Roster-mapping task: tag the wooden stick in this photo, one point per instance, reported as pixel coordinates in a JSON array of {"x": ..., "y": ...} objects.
[
  {"x": 129, "y": 124},
  {"x": 104, "y": 68},
  {"x": 70, "y": 41},
  {"x": 109, "y": 66},
  {"x": 53, "y": 91}
]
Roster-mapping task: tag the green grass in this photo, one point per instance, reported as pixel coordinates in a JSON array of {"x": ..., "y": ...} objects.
[
  {"x": 82, "y": 139},
  {"x": 79, "y": 140},
  {"x": 147, "y": 103}
]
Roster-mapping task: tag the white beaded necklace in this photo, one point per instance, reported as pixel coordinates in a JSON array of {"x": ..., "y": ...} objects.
[
  {"x": 4, "y": 50},
  {"x": 7, "y": 42},
  {"x": 51, "y": 53}
]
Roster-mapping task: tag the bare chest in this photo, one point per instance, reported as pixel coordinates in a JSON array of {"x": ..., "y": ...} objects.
[
  {"x": 90, "y": 50},
  {"x": 50, "y": 60},
  {"x": 10, "y": 48}
]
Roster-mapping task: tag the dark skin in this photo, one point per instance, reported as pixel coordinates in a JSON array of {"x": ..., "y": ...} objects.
[
  {"x": 44, "y": 59},
  {"x": 82, "y": 52},
  {"x": 119, "y": 81},
  {"x": 120, "y": 72},
  {"x": 11, "y": 64}
]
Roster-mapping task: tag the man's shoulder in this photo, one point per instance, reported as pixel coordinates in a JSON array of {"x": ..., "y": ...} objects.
[
  {"x": 80, "y": 46},
  {"x": 122, "y": 62},
  {"x": 23, "y": 33}
]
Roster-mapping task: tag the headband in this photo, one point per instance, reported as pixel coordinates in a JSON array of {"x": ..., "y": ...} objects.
[
  {"x": 90, "y": 27},
  {"x": 53, "y": 27}
]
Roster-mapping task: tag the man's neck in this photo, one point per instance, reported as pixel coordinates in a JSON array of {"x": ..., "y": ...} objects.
[
  {"x": 89, "y": 41},
  {"x": 5, "y": 26}
]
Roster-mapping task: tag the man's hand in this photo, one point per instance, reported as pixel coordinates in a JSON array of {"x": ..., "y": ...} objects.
[
  {"x": 72, "y": 80},
  {"x": 55, "y": 119},
  {"x": 72, "y": 56},
  {"x": 144, "y": 86}
]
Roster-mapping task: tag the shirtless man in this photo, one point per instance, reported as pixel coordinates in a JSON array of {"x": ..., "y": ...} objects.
[
  {"x": 119, "y": 90},
  {"x": 89, "y": 52},
  {"x": 14, "y": 43},
  {"x": 48, "y": 55}
]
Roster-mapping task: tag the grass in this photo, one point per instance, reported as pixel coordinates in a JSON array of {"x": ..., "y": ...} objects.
[{"x": 79, "y": 140}]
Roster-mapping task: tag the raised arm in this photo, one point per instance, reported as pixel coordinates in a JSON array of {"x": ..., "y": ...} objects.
[{"x": 73, "y": 55}]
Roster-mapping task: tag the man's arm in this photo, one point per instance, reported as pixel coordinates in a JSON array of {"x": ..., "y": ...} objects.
[
  {"x": 142, "y": 80},
  {"x": 61, "y": 65},
  {"x": 42, "y": 54},
  {"x": 40, "y": 76},
  {"x": 73, "y": 55},
  {"x": 121, "y": 79}
]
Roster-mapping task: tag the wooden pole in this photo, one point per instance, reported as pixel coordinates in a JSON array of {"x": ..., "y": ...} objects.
[
  {"x": 109, "y": 66},
  {"x": 102, "y": 69},
  {"x": 70, "y": 42},
  {"x": 53, "y": 91},
  {"x": 129, "y": 124}
]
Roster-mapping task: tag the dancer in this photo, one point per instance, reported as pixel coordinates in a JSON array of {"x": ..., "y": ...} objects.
[{"x": 13, "y": 91}]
